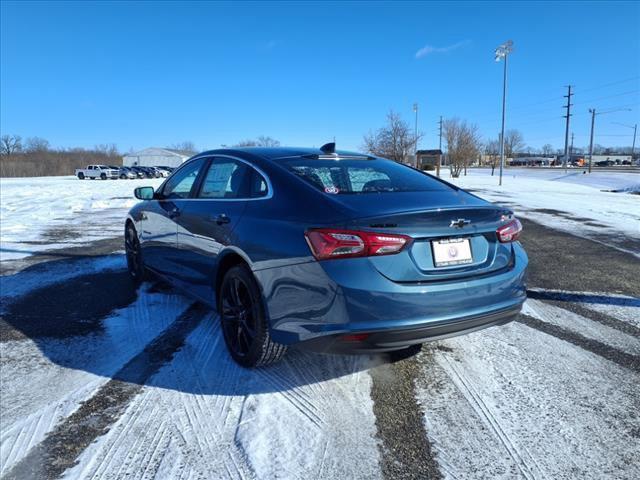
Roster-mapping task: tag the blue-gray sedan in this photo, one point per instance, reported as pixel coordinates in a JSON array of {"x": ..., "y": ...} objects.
[{"x": 331, "y": 251}]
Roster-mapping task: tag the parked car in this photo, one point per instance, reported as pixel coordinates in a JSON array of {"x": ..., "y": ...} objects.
[
  {"x": 159, "y": 172},
  {"x": 330, "y": 251},
  {"x": 139, "y": 172},
  {"x": 146, "y": 172},
  {"x": 97, "y": 171},
  {"x": 167, "y": 169},
  {"x": 127, "y": 173},
  {"x": 164, "y": 172},
  {"x": 605, "y": 163}
]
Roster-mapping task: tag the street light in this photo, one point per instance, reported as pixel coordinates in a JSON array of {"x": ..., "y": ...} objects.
[
  {"x": 503, "y": 51},
  {"x": 593, "y": 113},
  {"x": 635, "y": 128},
  {"x": 415, "y": 138}
]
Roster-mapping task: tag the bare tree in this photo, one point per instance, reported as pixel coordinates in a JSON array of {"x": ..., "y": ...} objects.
[
  {"x": 36, "y": 144},
  {"x": 261, "y": 141},
  {"x": 187, "y": 146},
  {"x": 492, "y": 150},
  {"x": 547, "y": 150},
  {"x": 110, "y": 149},
  {"x": 396, "y": 141},
  {"x": 10, "y": 144},
  {"x": 513, "y": 143},
  {"x": 463, "y": 143}
]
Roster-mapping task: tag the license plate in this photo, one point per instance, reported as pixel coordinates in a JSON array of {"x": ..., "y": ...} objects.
[{"x": 451, "y": 251}]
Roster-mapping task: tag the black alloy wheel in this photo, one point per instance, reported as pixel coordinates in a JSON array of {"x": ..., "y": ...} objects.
[{"x": 244, "y": 324}]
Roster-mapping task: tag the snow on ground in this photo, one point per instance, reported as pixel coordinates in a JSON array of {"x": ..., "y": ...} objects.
[
  {"x": 514, "y": 402},
  {"x": 43, "y": 213},
  {"x": 45, "y": 379},
  {"x": 202, "y": 416},
  {"x": 572, "y": 202}
]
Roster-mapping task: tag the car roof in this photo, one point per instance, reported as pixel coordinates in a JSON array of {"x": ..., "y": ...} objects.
[{"x": 278, "y": 153}]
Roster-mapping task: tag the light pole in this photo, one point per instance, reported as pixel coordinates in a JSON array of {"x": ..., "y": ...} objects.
[
  {"x": 503, "y": 51},
  {"x": 635, "y": 129},
  {"x": 593, "y": 113},
  {"x": 415, "y": 137}
]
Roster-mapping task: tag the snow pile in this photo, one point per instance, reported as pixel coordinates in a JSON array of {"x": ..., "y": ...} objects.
[{"x": 36, "y": 213}]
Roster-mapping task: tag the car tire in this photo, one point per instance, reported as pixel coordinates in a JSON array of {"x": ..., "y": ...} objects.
[
  {"x": 243, "y": 320},
  {"x": 81, "y": 176},
  {"x": 133, "y": 252},
  {"x": 103, "y": 176}
]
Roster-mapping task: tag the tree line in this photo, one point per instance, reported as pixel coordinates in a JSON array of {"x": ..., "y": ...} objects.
[
  {"x": 34, "y": 157},
  {"x": 397, "y": 141}
]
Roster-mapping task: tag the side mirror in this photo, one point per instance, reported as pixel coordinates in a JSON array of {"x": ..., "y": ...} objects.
[{"x": 143, "y": 193}]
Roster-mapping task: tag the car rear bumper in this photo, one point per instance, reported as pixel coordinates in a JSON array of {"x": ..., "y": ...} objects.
[
  {"x": 395, "y": 339},
  {"x": 319, "y": 303}
]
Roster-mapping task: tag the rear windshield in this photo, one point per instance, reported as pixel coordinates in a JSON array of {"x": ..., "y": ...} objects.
[{"x": 362, "y": 176}]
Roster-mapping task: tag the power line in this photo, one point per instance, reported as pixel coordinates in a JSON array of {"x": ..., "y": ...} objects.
[
  {"x": 608, "y": 96},
  {"x": 618, "y": 82}
]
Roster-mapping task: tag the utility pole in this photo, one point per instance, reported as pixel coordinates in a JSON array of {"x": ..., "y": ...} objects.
[
  {"x": 415, "y": 147},
  {"x": 440, "y": 148},
  {"x": 566, "y": 133},
  {"x": 571, "y": 148},
  {"x": 592, "y": 111},
  {"x": 503, "y": 51}
]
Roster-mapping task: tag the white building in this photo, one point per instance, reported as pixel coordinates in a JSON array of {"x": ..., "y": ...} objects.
[{"x": 156, "y": 157}]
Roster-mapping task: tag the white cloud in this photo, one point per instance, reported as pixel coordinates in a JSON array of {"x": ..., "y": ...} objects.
[{"x": 430, "y": 49}]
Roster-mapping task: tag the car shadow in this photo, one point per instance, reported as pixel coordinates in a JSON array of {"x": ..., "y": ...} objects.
[
  {"x": 578, "y": 297},
  {"x": 99, "y": 323}
]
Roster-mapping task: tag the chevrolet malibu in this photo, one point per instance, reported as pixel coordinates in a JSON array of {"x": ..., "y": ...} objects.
[{"x": 327, "y": 250}]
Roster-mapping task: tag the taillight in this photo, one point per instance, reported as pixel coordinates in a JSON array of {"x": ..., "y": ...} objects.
[
  {"x": 509, "y": 232},
  {"x": 326, "y": 243}
]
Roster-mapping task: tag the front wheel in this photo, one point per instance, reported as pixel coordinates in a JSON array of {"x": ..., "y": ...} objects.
[
  {"x": 103, "y": 176},
  {"x": 135, "y": 264},
  {"x": 244, "y": 324}
]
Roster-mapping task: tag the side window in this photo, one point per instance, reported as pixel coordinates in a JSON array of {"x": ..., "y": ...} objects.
[
  {"x": 180, "y": 184},
  {"x": 259, "y": 186},
  {"x": 226, "y": 178}
]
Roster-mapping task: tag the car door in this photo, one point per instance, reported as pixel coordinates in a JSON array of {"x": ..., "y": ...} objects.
[
  {"x": 206, "y": 226},
  {"x": 158, "y": 236}
]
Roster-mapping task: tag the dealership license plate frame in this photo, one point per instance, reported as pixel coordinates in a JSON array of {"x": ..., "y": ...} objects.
[{"x": 442, "y": 258}]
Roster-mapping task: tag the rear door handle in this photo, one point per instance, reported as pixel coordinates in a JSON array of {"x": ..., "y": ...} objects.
[{"x": 222, "y": 219}]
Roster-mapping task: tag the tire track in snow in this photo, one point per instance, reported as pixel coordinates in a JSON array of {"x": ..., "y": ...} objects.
[
  {"x": 405, "y": 449},
  {"x": 59, "y": 450},
  {"x": 613, "y": 354},
  {"x": 223, "y": 421},
  {"x": 486, "y": 415}
]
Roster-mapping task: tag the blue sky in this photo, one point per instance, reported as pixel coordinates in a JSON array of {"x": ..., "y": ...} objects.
[{"x": 157, "y": 73}]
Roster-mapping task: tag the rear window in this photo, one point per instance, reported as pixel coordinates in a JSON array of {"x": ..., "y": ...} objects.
[{"x": 362, "y": 176}]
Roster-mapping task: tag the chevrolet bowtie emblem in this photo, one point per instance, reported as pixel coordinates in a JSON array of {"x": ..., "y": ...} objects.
[{"x": 461, "y": 222}]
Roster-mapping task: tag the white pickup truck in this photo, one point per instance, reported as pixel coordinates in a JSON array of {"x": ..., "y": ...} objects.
[{"x": 97, "y": 171}]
